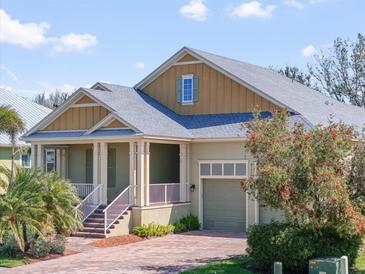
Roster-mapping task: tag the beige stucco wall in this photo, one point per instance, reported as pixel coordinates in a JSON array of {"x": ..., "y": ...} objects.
[
  {"x": 164, "y": 214},
  {"x": 5, "y": 160},
  {"x": 224, "y": 151}
]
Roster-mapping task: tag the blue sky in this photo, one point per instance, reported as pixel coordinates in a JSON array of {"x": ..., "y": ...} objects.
[{"x": 62, "y": 44}]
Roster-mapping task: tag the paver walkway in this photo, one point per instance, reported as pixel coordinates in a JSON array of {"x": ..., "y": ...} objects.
[{"x": 170, "y": 254}]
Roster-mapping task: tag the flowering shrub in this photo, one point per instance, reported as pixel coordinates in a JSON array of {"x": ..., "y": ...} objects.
[{"x": 305, "y": 173}]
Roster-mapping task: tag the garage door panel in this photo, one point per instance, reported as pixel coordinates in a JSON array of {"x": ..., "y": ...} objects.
[{"x": 224, "y": 205}]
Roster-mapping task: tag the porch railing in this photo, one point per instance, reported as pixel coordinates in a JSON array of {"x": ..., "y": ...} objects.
[
  {"x": 91, "y": 202},
  {"x": 83, "y": 189},
  {"x": 164, "y": 193},
  {"x": 116, "y": 208}
]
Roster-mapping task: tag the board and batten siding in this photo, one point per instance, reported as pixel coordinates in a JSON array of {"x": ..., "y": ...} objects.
[
  {"x": 75, "y": 118},
  {"x": 217, "y": 92}
]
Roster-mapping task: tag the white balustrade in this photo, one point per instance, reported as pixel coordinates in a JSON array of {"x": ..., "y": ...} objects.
[{"x": 91, "y": 202}]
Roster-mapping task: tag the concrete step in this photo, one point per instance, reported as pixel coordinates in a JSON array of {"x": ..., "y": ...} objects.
[
  {"x": 89, "y": 235},
  {"x": 94, "y": 220},
  {"x": 95, "y": 230},
  {"x": 96, "y": 225}
]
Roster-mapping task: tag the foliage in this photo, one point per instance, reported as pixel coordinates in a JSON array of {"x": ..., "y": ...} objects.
[
  {"x": 294, "y": 246},
  {"x": 52, "y": 100},
  {"x": 12, "y": 125},
  {"x": 187, "y": 223},
  {"x": 40, "y": 247},
  {"x": 232, "y": 265},
  {"x": 340, "y": 72},
  {"x": 60, "y": 199},
  {"x": 304, "y": 172},
  {"x": 22, "y": 207},
  {"x": 295, "y": 74},
  {"x": 58, "y": 245},
  {"x": 35, "y": 202},
  {"x": 356, "y": 178},
  {"x": 13, "y": 261},
  {"x": 153, "y": 230}
]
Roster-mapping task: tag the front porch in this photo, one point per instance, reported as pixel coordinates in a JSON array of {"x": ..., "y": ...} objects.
[{"x": 155, "y": 173}]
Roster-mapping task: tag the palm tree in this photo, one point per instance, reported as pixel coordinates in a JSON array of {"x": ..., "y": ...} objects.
[
  {"x": 60, "y": 199},
  {"x": 22, "y": 208},
  {"x": 12, "y": 125},
  {"x": 35, "y": 202}
]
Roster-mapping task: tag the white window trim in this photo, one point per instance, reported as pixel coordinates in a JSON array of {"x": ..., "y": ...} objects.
[
  {"x": 46, "y": 160},
  {"x": 234, "y": 162},
  {"x": 21, "y": 160},
  {"x": 184, "y": 77}
]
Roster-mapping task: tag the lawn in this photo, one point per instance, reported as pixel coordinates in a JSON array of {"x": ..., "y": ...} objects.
[
  {"x": 13, "y": 262},
  {"x": 235, "y": 265}
]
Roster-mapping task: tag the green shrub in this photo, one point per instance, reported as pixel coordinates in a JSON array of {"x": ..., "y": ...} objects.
[
  {"x": 9, "y": 247},
  {"x": 40, "y": 247},
  {"x": 187, "y": 223},
  {"x": 58, "y": 245},
  {"x": 153, "y": 230},
  {"x": 293, "y": 246}
]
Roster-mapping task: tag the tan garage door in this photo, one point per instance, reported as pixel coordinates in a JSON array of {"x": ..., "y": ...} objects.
[{"x": 224, "y": 205}]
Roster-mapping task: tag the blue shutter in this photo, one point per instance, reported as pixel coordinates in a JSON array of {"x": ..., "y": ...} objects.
[
  {"x": 178, "y": 89},
  {"x": 195, "y": 88}
]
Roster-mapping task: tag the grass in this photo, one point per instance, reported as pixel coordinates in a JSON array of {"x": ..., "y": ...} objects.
[
  {"x": 13, "y": 262},
  {"x": 233, "y": 265},
  {"x": 236, "y": 265}
]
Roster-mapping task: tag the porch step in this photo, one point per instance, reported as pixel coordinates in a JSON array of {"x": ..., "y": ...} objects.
[
  {"x": 96, "y": 225},
  {"x": 95, "y": 230},
  {"x": 89, "y": 235}
]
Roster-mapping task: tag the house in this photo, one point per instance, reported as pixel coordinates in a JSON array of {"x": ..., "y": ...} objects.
[
  {"x": 31, "y": 113},
  {"x": 173, "y": 144}
]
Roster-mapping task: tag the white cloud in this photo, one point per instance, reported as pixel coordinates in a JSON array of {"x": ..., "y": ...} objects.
[
  {"x": 30, "y": 35},
  {"x": 294, "y": 3},
  {"x": 27, "y": 35},
  {"x": 9, "y": 72},
  {"x": 254, "y": 9},
  {"x": 140, "y": 65},
  {"x": 308, "y": 51},
  {"x": 73, "y": 42},
  {"x": 195, "y": 10},
  {"x": 50, "y": 87}
]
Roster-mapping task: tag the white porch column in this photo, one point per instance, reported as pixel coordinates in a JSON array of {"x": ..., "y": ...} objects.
[
  {"x": 183, "y": 172},
  {"x": 252, "y": 204},
  {"x": 33, "y": 153},
  {"x": 104, "y": 170},
  {"x": 96, "y": 160},
  {"x": 58, "y": 161},
  {"x": 39, "y": 156},
  {"x": 147, "y": 174},
  {"x": 132, "y": 173},
  {"x": 63, "y": 163},
  {"x": 140, "y": 173},
  {"x": 188, "y": 172}
]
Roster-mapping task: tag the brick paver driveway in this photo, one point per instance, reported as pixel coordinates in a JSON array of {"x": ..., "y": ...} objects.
[{"x": 169, "y": 254}]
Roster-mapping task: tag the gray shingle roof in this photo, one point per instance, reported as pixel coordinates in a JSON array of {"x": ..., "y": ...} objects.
[
  {"x": 30, "y": 112},
  {"x": 314, "y": 106}
]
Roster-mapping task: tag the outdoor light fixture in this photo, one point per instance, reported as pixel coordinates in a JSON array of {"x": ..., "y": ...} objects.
[{"x": 192, "y": 188}]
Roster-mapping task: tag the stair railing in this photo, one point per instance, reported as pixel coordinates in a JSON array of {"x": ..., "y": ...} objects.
[
  {"x": 91, "y": 202},
  {"x": 116, "y": 208}
]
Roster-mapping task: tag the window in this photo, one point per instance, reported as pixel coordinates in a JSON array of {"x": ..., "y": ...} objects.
[
  {"x": 25, "y": 159},
  {"x": 187, "y": 88},
  {"x": 50, "y": 160},
  {"x": 223, "y": 169}
]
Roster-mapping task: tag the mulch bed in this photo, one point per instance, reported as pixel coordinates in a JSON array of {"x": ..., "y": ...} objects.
[{"x": 116, "y": 240}]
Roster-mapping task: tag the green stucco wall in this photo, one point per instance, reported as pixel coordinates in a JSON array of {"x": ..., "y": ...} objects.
[{"x": 77, "y": 163}]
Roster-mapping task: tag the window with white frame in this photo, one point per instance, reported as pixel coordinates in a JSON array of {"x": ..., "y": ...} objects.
[
  {"x": 25, "y": 159},
  {"x": 50, "y": 160},
  {"x": 223, "y": 169},
  {"x": 187, "y": 88}
]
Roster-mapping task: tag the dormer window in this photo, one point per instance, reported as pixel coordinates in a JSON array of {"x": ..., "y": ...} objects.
[{"x": 187, "y": 89}]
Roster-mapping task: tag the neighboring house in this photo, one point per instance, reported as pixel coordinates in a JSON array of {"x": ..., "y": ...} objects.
[
  {"x": 31, "y": 113},
  {"x": 173, "y": 144}
]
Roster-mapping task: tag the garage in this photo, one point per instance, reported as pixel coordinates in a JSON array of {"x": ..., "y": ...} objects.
[{"x": 224, "y": 205}]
